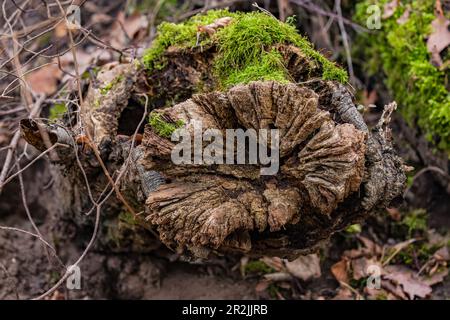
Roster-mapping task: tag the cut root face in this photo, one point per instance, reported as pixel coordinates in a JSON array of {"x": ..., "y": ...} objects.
[{"x": 322, "y": 163}]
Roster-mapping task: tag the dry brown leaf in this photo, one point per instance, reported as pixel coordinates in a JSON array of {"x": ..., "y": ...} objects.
[
  {"x": 412, "y": 287},
  {"x": 360, "y": 266},
  {"x": 370, "y": 97},
  {"x": 376, "y": 294},
  {"x": 60, "y": 30},
  {"x": 339, "y": 271},
  {"x": 404, "y": 277},
  {"x": 374, "y": 248},
  {"x": 89, "y": 6},
  {"x": 442, "y": 254},
  {"x": 45, "y": 80},
  {"x": 134, "y": 23},
  {"x": 437, "y": 239},
  {"x": 343, "y": 294},
  {"x": 439, "y": 39},
  {"x": 389, "y": 9},
  {"x": 126, "y": 29},
  {"x": 84, "y": 60},
  {"x": 278, "y": 276},
  {"x": 284, "y": 9},
  {"x": 100, "y": 17},
  {"x": 394, "y": 289},
  {"x": 210, "y": 29},
  {"x": 57, "y": 295},
  {"x": 356, "y": 253},
  {"x": 436, "y": 278},
  {"x": 274, "y": 262},
  {"x": 279, "y": 295},
  {"x": 262, "y": 286},
  {"x": 369, "y": 249},
  {"x": 305, "y": 267},
  {"x": 285, "y": 285}
]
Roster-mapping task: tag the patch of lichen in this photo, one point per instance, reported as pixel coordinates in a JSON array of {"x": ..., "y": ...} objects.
[
  {"x": 162, "y": 127},
  {"x": 244, "y": 47},
  {"x": 400, "y": 52}
]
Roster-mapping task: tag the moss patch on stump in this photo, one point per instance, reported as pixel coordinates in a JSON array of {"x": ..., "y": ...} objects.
[{"x": 245, "y": 47}]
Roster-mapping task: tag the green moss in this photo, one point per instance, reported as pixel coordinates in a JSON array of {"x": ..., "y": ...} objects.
[
  {"x": 400, "y": 51},
  {"x": 410, "y": 178},
  {"x": 244, "y": 47},
  {"x": 97, "y": 103},
  {"x": 127, "y": 218},
  {"x": 45, "y": 38},
  {"x": 381, "y": 296},
  {"x": 87, "y": 74},
  {"x": 137, "y": 64},
  {"x": 358, "y": 284},
  {"x": 54, "y": 276},
  {"x": 57, "y": 111},
  {"x": 416, "y": 220},
  {"x": 292, "y": 20},
  {"x": 354, "y": 229},
  {"x": 246, "y": 40},
  {"x": 161, "y": 127},
  {"x": 182, "y": 35},
  {"x": 270, "y": 67},
  {"x": 107, "y": 87},
  {"x": 258, "y": 266},
  {"x": 273, "y": 291},
  {"x": 416, "y": 253}
]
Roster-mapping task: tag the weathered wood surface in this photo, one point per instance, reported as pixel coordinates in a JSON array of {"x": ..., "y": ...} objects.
[{"x": 334, "y": 171}]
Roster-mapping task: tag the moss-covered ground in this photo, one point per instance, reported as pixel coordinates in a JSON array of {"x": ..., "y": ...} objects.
[{"x": 399, "y": 50}]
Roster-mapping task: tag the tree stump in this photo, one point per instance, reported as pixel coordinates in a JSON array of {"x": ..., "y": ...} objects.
[{"x": 333, "y": 170}]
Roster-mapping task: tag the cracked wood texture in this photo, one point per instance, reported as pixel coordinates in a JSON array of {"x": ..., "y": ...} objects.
[{"x": 334, "y": 171}]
